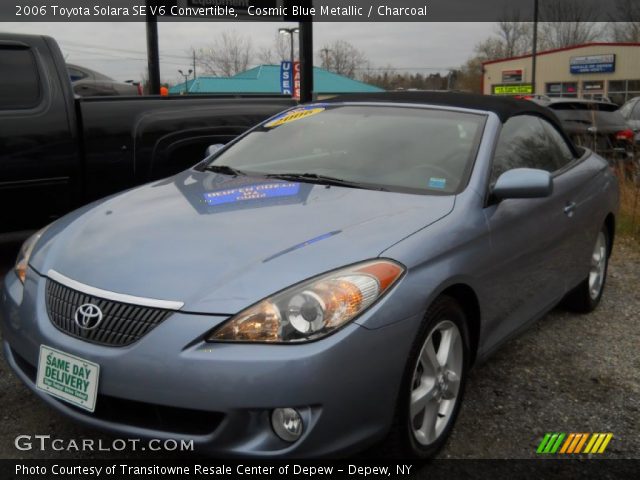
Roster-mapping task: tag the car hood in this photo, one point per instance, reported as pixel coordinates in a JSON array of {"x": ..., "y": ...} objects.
[{"x": 219, "y": 243}]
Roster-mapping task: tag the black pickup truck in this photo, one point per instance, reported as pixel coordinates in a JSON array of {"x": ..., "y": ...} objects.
[{"x": 58, "y": 152}]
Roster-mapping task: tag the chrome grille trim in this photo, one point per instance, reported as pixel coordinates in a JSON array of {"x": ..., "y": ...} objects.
[
  {"x": 114, "y": 296},
  {"x": 122, "y": 324}
]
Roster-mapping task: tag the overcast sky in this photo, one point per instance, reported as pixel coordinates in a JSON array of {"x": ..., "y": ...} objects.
[{"x": 119, "y": 49}]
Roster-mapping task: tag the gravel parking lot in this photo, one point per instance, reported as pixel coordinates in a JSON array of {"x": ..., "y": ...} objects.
[{"x": 569, "y": 373}]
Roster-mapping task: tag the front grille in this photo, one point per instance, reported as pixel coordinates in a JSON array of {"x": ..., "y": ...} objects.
[
  {"x": 121, "y": 325},
  {"x": 140, "y": 414}
]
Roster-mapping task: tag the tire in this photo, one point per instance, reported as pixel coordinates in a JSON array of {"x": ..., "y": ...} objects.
[
  {"x": 586, "y": 296},
  {"x": 411, "y": 434}
]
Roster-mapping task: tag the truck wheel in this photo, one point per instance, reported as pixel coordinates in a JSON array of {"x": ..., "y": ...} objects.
[
  {"x": 433, "y": 383},
  {"x": 586, "y": 296}
]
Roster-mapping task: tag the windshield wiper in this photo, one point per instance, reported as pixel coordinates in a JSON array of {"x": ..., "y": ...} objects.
[
  {"x": 224, "y": 169},
  {"x": 323, "y": 180}
]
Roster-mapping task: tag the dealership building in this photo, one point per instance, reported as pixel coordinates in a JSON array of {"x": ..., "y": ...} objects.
[{"x": 592, "y": 71}]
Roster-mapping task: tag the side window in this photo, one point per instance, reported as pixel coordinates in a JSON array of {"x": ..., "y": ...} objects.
[
  {"x": 19, "y": 80},
  {"x": 523, "y": 143},
  {"x": 558, "y": 147}
]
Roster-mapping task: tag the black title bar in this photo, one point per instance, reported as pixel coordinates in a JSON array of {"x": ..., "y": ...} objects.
[
  {"x": 316, "y": 10},
  {"x": 356, "y": 469}
]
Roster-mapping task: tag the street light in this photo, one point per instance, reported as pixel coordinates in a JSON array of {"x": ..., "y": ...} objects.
[
  {"x": 186, "y": 78},
  {"x": 326, "y": 64},
  {"x": 291, "y": 32}
]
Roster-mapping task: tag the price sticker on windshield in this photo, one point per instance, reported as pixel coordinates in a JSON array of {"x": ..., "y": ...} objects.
[{"x": 294, "y": 115}]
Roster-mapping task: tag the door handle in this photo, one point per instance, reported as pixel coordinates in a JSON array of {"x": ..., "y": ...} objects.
[{"x": 569, "y": 209}]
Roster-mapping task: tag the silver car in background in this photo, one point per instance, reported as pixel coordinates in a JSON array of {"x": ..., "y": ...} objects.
[
  {"x": 89, "y": 83},
  {"x": 320, "y": 284}
]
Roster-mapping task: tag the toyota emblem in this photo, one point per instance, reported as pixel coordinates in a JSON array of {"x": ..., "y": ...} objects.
[{"x": 88, "y": 316}]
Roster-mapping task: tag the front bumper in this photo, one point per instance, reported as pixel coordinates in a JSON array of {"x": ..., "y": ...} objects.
[{"x": 171, "y": 384}]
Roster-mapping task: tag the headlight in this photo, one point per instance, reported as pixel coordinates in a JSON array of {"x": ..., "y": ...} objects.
[
  {"x": 314, "y": 308},
  {"x": 22, "y": 262}
]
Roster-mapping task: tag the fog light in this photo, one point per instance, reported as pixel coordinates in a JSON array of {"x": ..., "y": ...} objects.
[{"x": 287, "y": 424}]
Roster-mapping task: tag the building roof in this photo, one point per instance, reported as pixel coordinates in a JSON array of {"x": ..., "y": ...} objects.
[
  {"x": 266, "y": 79},
  {"x": 563, "y": 49}
]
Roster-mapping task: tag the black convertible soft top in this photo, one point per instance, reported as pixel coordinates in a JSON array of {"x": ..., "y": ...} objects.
[{"x": 503, "y": 107}]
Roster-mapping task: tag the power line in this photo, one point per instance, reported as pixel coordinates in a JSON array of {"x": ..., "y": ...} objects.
[
  {"x": 87, "y": 46},
  {"x": 404, "y": 68},
  {"x": 115, "y": 57}
]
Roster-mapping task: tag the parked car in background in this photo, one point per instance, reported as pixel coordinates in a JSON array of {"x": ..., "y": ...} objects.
[
  {"x": 321, "y": 283},
  {"x": 595, "y": 124},
  {"x": 631, "y": 112},
  {"x": 58, "y": 151},
  {"x": 89, "y": 83}
]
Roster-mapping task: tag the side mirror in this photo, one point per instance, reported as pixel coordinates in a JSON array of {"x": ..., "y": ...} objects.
[
  {"x": 523, "y": 183},
  {"x": 211, "y": 149}
]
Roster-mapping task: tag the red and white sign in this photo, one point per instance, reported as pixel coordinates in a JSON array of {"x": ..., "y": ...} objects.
[
  {"x": 512, "y": 76},
  {"x": 296, "y": 80}
]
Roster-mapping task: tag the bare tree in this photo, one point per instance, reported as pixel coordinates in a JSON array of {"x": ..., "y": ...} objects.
[
  {"x": 512, "y": 37},
  {"x": 230, "y": 54},
  {"x": 343, "y": 58},
  {"x": 626, "y": 24},
  {"x": 515, "y": 35},
  {"x": 567, "y": 23},
  {"x": 469, "y": 76},
  {"x": 491, "y": 48},
  {"x": 278, "y": 52}
]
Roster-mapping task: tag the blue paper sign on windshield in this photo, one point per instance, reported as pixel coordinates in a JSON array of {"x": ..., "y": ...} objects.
[{"x": 252, "y": 192}]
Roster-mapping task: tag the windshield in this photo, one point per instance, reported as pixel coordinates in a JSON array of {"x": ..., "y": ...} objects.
[{"x": 392, "y": 148}]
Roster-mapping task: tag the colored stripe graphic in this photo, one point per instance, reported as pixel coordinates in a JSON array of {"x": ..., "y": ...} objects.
[
  {"x": 605, "y": 443},
  {"x": 567, "y": 443},
  {"x": 581, "y": 442},
  {"x": 573, "y": 443},
  {"x": 543, "y": 443},
  {"x": 550, "y": 443},
  {"x": 591, "y": 443}
]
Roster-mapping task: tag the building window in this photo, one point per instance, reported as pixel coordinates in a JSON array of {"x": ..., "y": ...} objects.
[
  {"x": 562, "y": 89},
  {"x": 593, "y": 90},
  {"x": 622, "y": 90}
]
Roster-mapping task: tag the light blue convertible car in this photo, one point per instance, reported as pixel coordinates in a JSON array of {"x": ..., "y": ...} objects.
[{"x": 322, "y": 283}]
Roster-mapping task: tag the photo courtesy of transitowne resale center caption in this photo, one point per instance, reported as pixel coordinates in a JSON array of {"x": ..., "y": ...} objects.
[{"x": 312, "y": 238}]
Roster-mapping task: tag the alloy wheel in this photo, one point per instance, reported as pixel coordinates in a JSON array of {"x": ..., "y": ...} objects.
[
  {"x": 435, "y": 383},
  {"x": 598, "y": 266}
]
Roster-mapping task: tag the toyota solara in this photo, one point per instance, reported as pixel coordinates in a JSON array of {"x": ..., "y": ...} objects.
[{"x": 319, "y": 285}]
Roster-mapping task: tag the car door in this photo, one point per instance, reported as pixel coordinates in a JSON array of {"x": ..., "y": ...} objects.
[
  {"x": 530, "y": 238},
  {"x": 38, "y": 156},
  {"x": 576, "y": 184}
]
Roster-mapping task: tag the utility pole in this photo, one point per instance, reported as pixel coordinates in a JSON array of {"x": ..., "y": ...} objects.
[
  {"x": 194, "y": 64},
  {"x": 325, "y": 52},
  {"x": 534, "y": 52},
  {"x": 306, "y": 61},
  {"x": 153, "y": 54}
]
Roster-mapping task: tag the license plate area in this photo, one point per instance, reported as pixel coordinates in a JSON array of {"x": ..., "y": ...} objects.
[{"x": 68, "y": 377}]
